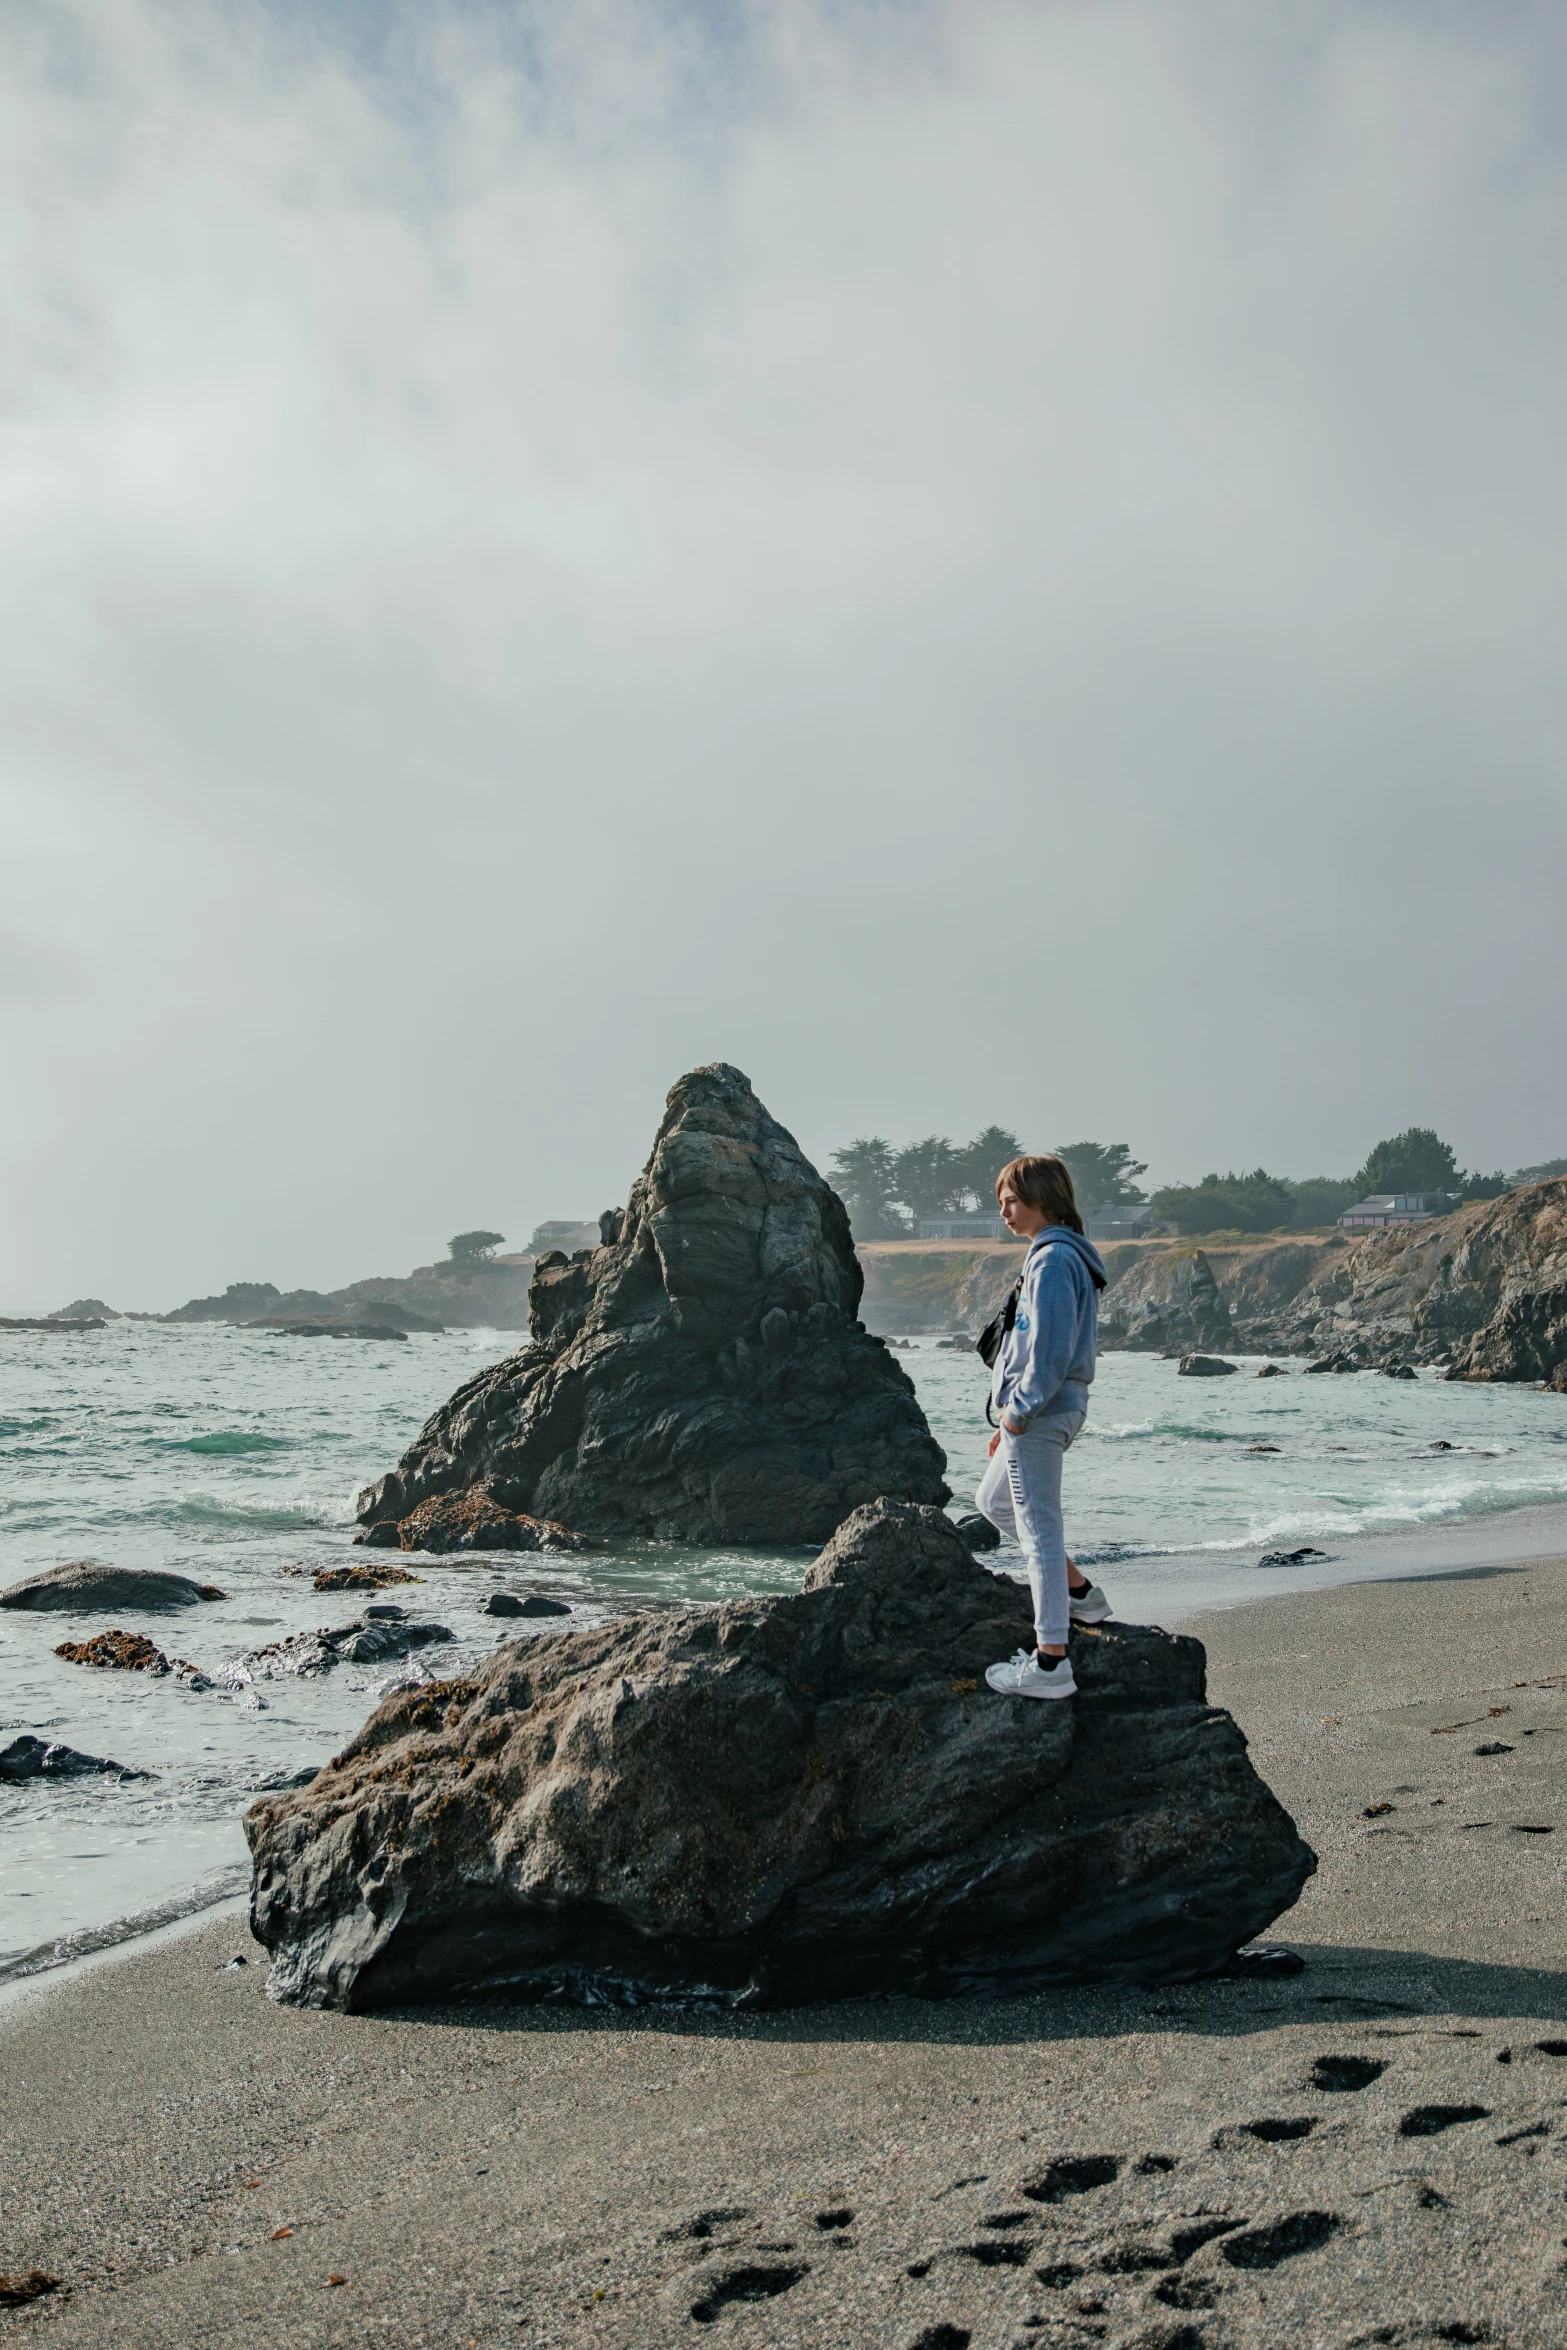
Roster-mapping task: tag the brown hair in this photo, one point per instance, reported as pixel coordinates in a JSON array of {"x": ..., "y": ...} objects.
[{"x": 1043, "y": 1181}]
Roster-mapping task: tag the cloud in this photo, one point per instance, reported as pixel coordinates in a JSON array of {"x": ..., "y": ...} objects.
[{"x": 979, "y": 562}]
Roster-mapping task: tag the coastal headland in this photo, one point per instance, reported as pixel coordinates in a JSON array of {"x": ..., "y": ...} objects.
[{"x": 1373, "y": 2149}]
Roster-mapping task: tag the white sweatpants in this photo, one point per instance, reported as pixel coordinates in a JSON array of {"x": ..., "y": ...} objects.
[{"x": 1020, "y": 1493}]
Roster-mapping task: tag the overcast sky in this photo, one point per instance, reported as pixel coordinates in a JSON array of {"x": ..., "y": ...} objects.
[{"x": 980, "y": 561}]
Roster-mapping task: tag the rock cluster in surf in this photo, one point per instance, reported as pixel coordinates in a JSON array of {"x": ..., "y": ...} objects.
[
  {"x": 366, "y": 1641},
  {"x": 472, "y": 1520}
]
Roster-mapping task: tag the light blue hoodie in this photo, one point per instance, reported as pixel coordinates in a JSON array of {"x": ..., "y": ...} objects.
[{"x": 1047, "y": 1358}]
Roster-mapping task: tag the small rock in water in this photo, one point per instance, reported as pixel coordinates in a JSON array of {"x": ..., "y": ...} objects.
[
  {"x": 1205, "y": 1367},
  {"x": 38, "y": 1758},
  {"x": 360, "y": 1643},
  {"x": 473, "y": 1520},
  {"x": 1290, "y": 1558},
  {"x": 82, "y": 1587},
  {"x": 960, "y": 1342},
  {"x": 1272, "y": 1371},
  {"x": 121, "y": 1652},
  {"x": 360, "y": 1578},
  {"x": 386, "y": 1613},
  {"x": 1398, "y": 1371},
  {"x": 1264, "y": 1447},
  {"x": 279, "y": 1781},
  {"x": 977, "y": 1531},
  {"x": 507, "y": 1603}
]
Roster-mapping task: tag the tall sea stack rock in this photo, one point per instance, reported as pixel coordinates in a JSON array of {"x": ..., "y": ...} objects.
[
  {"x": 701, "y": 1376},
  {"x": 777, "y": 1801}
]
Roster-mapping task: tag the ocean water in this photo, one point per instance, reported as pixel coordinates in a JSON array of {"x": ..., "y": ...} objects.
[{"x": 233, "y": 1456}]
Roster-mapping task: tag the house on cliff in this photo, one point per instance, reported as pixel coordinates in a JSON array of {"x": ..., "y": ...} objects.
[
  {"x": 1397, "y": 1207},
  {"x": 1120, "y": 1223}
]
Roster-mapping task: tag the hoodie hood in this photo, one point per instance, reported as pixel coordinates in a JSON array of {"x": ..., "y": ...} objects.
[{"x": 1063, "y": 1234}]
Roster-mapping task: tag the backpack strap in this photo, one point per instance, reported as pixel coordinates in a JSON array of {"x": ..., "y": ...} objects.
[{"x": 991, "y": 1339}]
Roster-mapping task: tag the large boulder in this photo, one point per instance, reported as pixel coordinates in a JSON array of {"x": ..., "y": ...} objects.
[
  {"x": 780, "y": 1800},
  {"x": 701, "y": 1376},
  {"x": 83, "y": 1588}
]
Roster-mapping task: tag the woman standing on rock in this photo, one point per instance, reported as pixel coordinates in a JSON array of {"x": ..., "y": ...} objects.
[{"x": 1040, "y": 1378}]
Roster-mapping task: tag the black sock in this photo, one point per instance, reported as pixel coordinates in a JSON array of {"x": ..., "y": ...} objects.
[{"x": 1046, "y": 1662}]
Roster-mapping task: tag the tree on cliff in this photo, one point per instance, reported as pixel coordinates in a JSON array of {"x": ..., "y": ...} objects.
[
  {"x": 981, "y": 1161},
  {"x": 1104, "y": 1174},
  {"x": 1321, "y": 1199},
  {"x": 1416, "y": 1160},
  {"x": 1258, "y": 1202},
  {"x": 474, "y": 1248},
  {"x": 928, "y": 1178},
  {"x": 863, "y": 1178},
  {"x": 887, "y": 1191}
]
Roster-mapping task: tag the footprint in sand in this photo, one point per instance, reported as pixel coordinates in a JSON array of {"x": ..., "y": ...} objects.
[
  {"x": 1272, "y": 2130},
  {"x": 1427, "y": 2121},
  {"x": 1339, "y": 2075},
  {"x": 699, "y": 2229},
  {"x": 751, "y": 2283},
  {"x": 1281, "y": 2239},
  {"x": 1071, "y": 2174}
]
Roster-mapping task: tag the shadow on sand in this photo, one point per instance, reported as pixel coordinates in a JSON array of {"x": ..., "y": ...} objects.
[{"x": 1340, "y": 1984}]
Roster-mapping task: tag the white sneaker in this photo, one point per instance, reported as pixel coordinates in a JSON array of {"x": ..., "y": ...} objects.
[
  {"x": 1090, "y": 1606},
  {"x": 1025, "y": 1676}
]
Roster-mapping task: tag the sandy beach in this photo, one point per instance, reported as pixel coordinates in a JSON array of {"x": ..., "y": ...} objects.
[{"x": 1371, "y": 2150}]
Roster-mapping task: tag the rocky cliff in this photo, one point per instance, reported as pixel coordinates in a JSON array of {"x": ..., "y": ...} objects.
[
  {"x": 923, "y": 1286},
  {"x": 1164, "y": 1303},
  {"x": 780, "y": 1800},
  {"x": 1497, "y": 1299},
  {"x": 1484, "y": 1291},
  {"x": 701, "y": 1376}
]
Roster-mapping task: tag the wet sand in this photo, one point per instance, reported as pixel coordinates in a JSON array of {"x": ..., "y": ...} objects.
[{"x": 1163, "y": 2168}]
